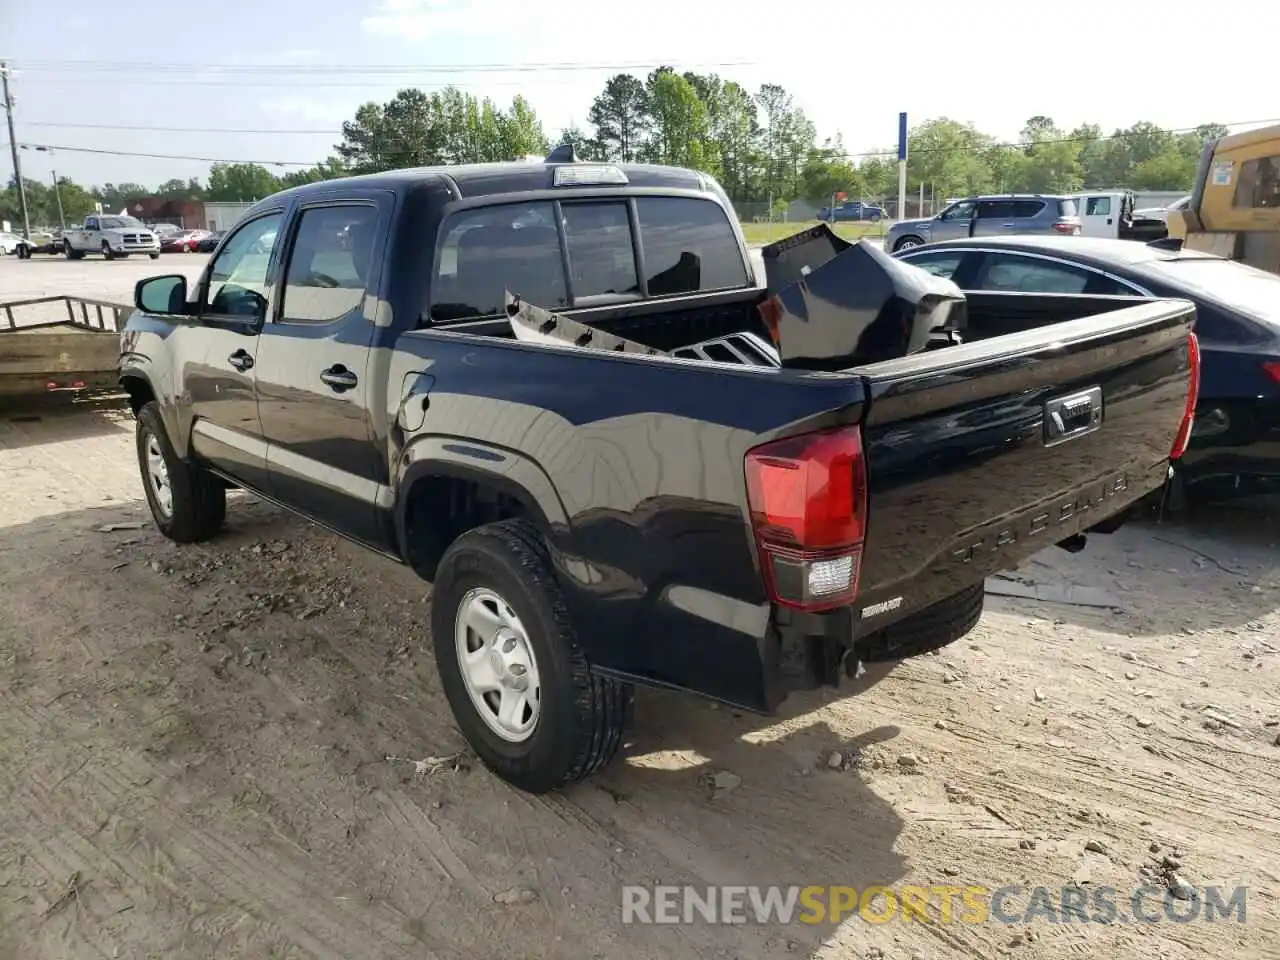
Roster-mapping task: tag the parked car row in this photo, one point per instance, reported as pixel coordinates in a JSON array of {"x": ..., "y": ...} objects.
[
  {"x": 1106, "y": 213},
  {"x": 113, "y": 237}
]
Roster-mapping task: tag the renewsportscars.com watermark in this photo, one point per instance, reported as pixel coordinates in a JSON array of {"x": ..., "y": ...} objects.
[{"x": 1015, "y": 904}]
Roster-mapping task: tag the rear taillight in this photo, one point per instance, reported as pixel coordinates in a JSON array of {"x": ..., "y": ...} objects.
[
  {"x": 808, "y": 498},
  {"x": 1193, "y": 396},
  {"x": 1272, "y": 369},
  {"x": 1071, "y": 229}
]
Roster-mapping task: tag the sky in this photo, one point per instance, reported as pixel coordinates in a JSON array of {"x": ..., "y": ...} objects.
[{"x": 284, "y": 74}]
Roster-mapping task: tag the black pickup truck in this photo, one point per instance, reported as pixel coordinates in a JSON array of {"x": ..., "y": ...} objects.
[{"x": 650, "y": 508}]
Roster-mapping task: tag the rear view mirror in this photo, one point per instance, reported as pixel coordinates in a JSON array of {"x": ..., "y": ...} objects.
[{"x": 167, "y": 294}]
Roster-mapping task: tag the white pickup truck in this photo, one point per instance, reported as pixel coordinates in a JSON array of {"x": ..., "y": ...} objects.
[{"x": 111, "y": 236}]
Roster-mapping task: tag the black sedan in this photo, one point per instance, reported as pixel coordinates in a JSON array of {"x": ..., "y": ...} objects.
[
  {"x": 1235, "y": 445},
  {"x": 209, "y": 242}
]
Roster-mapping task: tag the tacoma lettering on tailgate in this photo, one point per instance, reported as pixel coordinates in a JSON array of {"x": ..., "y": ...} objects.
[{"x": 1026, "y": 527}]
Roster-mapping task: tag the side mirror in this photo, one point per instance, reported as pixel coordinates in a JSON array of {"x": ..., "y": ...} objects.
[{"x": 167, "y": 294}]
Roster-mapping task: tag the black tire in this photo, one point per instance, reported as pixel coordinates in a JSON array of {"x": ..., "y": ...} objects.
[
  {"x": 67, "y": 251},
  {"x": 908, "y": 241},
  {"x": 199, "y": 499},
  {"x": 930, "y": 629},
  {"x": 581, "y": 717},
  {"x": 106, "y": 251},
  {"x": 154, "y": 256}
]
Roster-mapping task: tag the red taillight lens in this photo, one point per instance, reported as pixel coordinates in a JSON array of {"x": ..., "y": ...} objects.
[
  {"x": 1272, "y": 369},
  {"x": 1069, "y": 228},
  {"x": 808, "y": 498},
  {"x": 1193, "y": 396}
]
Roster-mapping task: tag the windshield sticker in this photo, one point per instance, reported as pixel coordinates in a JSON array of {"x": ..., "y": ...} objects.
[{"x": 1222, "y": 173}]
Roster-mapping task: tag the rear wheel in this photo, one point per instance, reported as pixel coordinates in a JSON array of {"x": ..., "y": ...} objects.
[
  {"x": 930, "y": 629},
  {"x": 517, "y": 680},
  {"x": 187, "y": 503},
  {"x": 154, "y": 256},
  {"x": 906, "y": 243}
]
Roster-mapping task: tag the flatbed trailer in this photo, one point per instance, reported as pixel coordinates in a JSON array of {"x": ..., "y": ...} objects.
[{"x": 62, "y": 343}]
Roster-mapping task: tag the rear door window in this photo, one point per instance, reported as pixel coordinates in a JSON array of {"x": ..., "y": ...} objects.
[
  {"x": 1019, "y": 274},
  {"x": 489, "y": 251},
  {"x": 1027, "y": 209},
  {"x": 329, "y": 266},
  {"x": 688, "y": 246},
  {"x": 959, "y": 211},
  {"x": 939, "y": 264},
  {"x": 602, "y": 259}
]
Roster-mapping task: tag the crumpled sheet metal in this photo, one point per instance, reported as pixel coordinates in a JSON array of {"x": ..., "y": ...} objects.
[{"x": 832, "y": 304}]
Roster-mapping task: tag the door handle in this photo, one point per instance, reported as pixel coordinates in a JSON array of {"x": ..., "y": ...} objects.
[
  {"x": 339, "y": 378},
  {"x": 240, "y": 360}
]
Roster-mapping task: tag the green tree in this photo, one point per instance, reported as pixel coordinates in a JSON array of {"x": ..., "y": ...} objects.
[
  {"x": 77, "y": 202},
  {"x": 325, "y": 170},
  {"x": 417, "y": 129},
  {"x": 680, "y": 125},
  {"x": 177, "y": 189},
  {"x": 620, "y": 115},
  {"x": 827, "y": 171},
  {"x": 788, "y": 134},
  {"x": 954, "y": 158},
  {"x": 116, "y": 197},
  {"x": 520, "y": 131},
  {"x": 1050, "y": 161},
  {"x": 229, "y": 182}
]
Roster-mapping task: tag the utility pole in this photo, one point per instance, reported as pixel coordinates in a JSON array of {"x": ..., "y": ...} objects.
[
  {"x": 902, "y": 166},
  {"x": 13, "y": 146},
  {"x": 57, "y": 193}
]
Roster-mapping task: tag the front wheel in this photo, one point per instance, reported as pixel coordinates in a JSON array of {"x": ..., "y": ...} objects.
[
  {"x": 906, "y": 243},
  {"x": 187, "y": 503},
  {"x": 155, "y": 256},
  {"x": 518, "y": 682},
  {"x": 106, "y": 251}
]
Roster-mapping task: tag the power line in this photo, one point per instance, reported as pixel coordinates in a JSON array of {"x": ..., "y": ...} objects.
[
  {"x": 162, "y": 156},
  {"x": 329, "y": 132},
  {"x": 793, "y": 158}
]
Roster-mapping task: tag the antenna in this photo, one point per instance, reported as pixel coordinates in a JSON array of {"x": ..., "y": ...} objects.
[{"x": 565, "y": 153}]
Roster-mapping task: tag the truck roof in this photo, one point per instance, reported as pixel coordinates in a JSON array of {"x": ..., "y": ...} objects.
[{"x": 490, "y": 179}]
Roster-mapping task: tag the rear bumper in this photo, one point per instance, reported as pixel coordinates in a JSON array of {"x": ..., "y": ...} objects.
[{"x": 809, "y": 649}]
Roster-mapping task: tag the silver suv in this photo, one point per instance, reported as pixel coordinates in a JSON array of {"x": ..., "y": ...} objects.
[{"x": 987, "y": 216}]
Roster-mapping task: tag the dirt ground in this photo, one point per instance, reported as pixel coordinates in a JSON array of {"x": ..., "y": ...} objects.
[{"x": 194, "y": 748}]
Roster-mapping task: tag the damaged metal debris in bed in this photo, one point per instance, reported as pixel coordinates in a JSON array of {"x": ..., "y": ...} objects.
[{"x": 829, "y": 304}]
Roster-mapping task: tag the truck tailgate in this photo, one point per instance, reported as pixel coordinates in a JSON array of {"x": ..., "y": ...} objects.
[{"x": 980, "y": 455}]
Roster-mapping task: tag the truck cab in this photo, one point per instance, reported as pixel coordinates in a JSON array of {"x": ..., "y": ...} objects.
[
  {"x": 1234, "y": 208},
  {"x": 1111, "y": 213},
  {"x": 112, "y": 236}
]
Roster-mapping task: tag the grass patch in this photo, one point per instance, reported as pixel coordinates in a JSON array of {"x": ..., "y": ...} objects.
[{"x": 760, "y": 233}]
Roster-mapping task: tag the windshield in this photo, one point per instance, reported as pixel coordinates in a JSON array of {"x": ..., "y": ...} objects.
[
  {"x": 1236, "y": 286},
  {"x": 110, "y": 223}
]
